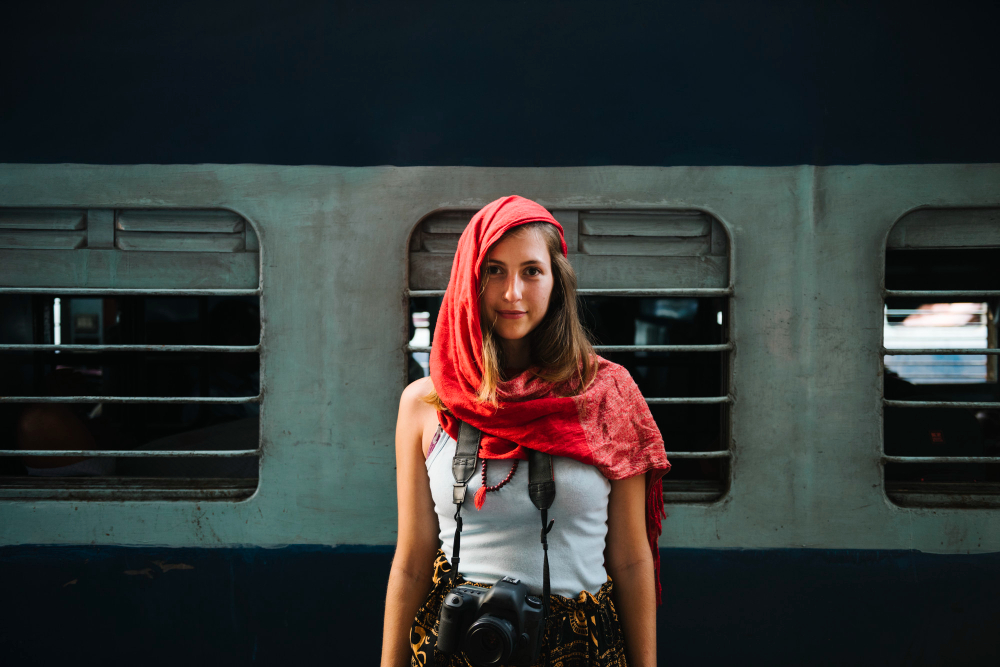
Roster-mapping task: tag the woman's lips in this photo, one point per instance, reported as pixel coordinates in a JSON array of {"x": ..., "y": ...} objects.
[{"x": 511, "y": 314}]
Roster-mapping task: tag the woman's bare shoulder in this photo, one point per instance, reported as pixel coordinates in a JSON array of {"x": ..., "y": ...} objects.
[
  {"x": 414, "y": 408},
  {"x": 413, "y": 395},
  {"x": 416, "y": 415}
]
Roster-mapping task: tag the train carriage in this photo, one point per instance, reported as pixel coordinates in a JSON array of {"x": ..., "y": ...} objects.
[{"x": 228, "y": 344}]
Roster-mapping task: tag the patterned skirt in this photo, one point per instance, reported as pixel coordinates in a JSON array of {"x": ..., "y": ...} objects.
[{"x": 583, "y": 632}]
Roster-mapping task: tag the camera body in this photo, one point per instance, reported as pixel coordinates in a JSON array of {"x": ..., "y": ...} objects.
[{"x": 500, "y": 625}]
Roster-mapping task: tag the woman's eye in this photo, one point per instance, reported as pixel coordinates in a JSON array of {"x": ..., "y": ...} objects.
[
  {"x": 493, "y": 270},
  {"x": 533, "y": 271}
]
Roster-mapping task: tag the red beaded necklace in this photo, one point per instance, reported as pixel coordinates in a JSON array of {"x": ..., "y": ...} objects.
[{"x": 480, "y": 496}]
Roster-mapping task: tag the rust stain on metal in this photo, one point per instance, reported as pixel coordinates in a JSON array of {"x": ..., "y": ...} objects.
[{"x": 147, "y": 571}]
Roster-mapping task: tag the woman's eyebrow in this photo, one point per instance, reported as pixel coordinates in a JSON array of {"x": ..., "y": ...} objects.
[{"x": 525, "y": 263}]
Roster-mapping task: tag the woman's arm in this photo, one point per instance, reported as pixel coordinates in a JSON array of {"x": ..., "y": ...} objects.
[
  {"x": 630, "y": 564},
  {"x": 417, "y": 536}
]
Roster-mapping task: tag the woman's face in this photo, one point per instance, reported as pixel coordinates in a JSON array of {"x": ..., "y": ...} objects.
[{"x": 518, "y": 284}]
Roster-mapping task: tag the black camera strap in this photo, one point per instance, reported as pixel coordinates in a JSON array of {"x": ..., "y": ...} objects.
[
  {"x": 542, "y": 490},
  {"x": 463, "y": 467}
]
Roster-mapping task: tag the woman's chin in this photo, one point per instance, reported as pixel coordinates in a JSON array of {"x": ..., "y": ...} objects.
[{"x": 511, "y": 334}]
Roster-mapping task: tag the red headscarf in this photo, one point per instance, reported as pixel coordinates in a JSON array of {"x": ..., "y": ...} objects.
[{"x": 608, "y": 425}]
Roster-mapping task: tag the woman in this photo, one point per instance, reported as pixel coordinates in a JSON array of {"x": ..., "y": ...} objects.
[{"x": 510, "y": 358}]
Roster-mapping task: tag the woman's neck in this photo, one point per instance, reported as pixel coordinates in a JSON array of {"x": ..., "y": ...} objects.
[{"x": 517, "y": 353}]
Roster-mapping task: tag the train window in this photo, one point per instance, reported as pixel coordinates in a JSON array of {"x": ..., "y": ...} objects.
[
  {"x": 941, "y": 416},
  {"x": 129, "y": 354},
  {"x": 654, "y": 289}
]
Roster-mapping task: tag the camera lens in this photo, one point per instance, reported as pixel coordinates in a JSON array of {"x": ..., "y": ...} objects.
[{"x": 490, "y": 641}]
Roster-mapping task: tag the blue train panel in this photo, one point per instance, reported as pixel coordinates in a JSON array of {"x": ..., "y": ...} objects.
[{"x": 323, "y": 605}]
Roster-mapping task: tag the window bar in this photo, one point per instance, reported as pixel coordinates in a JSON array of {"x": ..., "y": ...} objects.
[
  {"x": 667, "y": 291},
  {"x": 957, "y": 350},
  {"x": 724, "y": 347},
  {"x": 130, "y": 348},
  {"x": 691, "y": 400},
  {"x": 940, "y": 459},
  {"x": 139, "y": 486},
  {"x": 129, "y": 453},
  {"x": 112, "y": 291},
  {"x": 700, "y": 455},
  {"x": 223, "y": 400},
  {"x": 977, "y": 405},
  {"x": 944, "y": 294}
]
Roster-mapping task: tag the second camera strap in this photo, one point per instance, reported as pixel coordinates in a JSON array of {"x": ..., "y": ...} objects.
[{"x": 542, "y": 491}]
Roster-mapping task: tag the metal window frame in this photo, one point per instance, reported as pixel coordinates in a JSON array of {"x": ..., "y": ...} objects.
[{"x": 103, "y": 488}]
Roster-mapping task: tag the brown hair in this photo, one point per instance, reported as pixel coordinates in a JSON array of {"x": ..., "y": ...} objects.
[{"x": 560, "y": 347}]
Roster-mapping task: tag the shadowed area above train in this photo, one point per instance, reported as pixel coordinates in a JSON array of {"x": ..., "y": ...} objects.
[{"x": 500, "y": 84}]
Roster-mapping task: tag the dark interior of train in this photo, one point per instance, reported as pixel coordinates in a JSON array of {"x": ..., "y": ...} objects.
[
  {"x": 970, "y": 322},
  {"x": 617, "y": 320},
  {"x": 97, "y": 425}
]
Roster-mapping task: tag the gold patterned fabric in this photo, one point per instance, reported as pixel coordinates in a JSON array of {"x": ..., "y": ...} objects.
[{"x": 583, "y": 632}]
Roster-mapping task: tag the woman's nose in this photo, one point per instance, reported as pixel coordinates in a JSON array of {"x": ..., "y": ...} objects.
[{"x": 513, "y": 291}]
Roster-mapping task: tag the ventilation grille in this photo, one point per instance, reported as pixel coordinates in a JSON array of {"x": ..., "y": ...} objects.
[
  {"x": 947, "y": 228},
  {"x": 43, "y": 229},
  {"x": 652, "y": 234},
  {"x": 682, "y": 248},
  {"x": 191, "y": 231},
  {"x": 130, "y": 230},
  {"x": 440, "y": 233},
  {"x": 107, "y": 248}
]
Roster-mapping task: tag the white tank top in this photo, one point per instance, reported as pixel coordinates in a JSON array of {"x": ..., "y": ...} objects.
[{"x": 502, "y": 539}]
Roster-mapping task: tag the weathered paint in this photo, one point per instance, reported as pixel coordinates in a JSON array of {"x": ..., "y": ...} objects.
[{"x": 807, "y": 252}]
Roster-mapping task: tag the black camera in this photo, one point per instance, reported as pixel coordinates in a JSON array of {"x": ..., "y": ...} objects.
[{"x": 501, "y": 625}]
